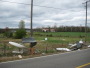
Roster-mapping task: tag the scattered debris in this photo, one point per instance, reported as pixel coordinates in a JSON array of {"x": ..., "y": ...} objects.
[
  {"x": 88, "y": 45},
  {"x": 17, "y": 52},
  {"x": 16, "y": 44},
  {"x": 77, "y": 45},
  {"x": 63, "y": 39},
  {"x": 63, "y": 49},
  {"x": 43, "y": 54},
  {"x": 72, "y": 45},
  {"x": 20, "y": 56},
  {"x": 81, "y": 42},
  {"x": 46, "y": 38},
  {"x": 78, "y": 49}
]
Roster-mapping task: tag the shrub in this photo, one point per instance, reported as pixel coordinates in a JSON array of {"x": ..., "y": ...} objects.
[
  {"x": 8, "y": 34},
  {"x": 20, "y": 33}
]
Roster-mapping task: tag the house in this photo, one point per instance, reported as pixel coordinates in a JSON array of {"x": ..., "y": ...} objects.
[{"x": 48, "y": 29}]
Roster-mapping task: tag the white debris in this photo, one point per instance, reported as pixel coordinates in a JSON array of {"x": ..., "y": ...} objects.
[
  {"x": 46, "y": 38},
  {"x": 88, "y": 45},
  {"x": 20, "y": 56},
  {"x": 73, "y": 45},
  {"x": 63, "y": 39},
  {"x": 63, "y": 49},
  {"x": 78, "y": 49},
  {"x": 70, "y": 44},
  {"x": 16, "y": 44},
  {"x": 81, "y": 42},
  {"x": 43, "y": 53},
  {"x": 17, "y": 52}
]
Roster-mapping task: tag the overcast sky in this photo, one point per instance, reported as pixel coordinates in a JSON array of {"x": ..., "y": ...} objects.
[{"x": 67, "y": 13}]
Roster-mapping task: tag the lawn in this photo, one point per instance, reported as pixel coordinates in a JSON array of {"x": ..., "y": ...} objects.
[
  {"x": 62, "y": 36},
  {"x": 72, "y": 34},
  {"x": 55, "y": 37}
]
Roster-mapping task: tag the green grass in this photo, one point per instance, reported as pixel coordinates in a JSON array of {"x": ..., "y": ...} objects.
[
  {"x": 61, "y": 33},
  {"x": 67, "y": 34},
  {"x": 56, "y": 37}
]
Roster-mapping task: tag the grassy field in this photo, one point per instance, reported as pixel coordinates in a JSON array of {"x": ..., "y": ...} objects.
[
  {"x": 62, "y": 36},
  {"x": 55, "y": 37},
  {"x": 69, "y": 34}
]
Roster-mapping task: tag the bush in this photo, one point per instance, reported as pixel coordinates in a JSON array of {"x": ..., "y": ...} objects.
[
  {"x": 20, "y": 33},
  {"x": 8, "y": 34}
]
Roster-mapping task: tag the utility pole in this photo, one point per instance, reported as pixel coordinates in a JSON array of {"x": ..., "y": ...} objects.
[
  {"x": 86, "y": 23},
  {"x": 86, "y": 20},
  {"x": 31, "y": 30}
]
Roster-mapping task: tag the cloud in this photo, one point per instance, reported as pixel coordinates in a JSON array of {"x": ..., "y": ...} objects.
[{"x": 67, "y": 13}]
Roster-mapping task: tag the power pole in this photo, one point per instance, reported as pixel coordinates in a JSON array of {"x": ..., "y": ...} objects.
[
  {"x": 31, "y": 30},
  {"x": 86, "y": 20}
]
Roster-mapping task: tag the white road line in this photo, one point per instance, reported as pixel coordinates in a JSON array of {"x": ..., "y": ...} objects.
[{"x": 42, "y": 56}]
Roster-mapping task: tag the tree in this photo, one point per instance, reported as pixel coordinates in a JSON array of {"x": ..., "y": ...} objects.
[
  {"x": 21, "y": 32},
  {"x": 21, "y": 24}
]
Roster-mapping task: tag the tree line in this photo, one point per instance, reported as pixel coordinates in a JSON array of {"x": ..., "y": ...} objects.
[
  {"x": 72, "y": 29},
  {"x": 63, "y": 29}
]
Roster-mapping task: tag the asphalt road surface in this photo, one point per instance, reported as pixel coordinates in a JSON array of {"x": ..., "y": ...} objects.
[{"x": 76, "y": 59}]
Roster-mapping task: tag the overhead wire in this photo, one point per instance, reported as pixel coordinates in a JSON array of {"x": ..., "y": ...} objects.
[
  {"x": 14, "y": 2},
  {"x": 34, "y": 5}
]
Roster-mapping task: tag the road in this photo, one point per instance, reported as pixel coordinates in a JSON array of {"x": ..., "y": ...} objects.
[{"x": 76, "y": 59}]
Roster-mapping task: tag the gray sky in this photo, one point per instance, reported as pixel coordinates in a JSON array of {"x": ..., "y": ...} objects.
[{"x": 68, "y": 13}]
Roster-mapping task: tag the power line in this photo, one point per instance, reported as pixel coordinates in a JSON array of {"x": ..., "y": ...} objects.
[
  {"x": 29, "y": 4},
  {"x": 34, "y": 5},
  {"x": 48, "y": 7},
  {"x": 14, "y": 2}
]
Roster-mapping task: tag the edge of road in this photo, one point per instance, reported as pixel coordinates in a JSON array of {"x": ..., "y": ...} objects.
[{"x": 43, "y": 56}]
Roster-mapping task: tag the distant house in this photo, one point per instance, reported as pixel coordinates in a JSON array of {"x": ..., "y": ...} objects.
[
  {"x": 48, "y": 29},
  {"x": 52, "y": 29}
]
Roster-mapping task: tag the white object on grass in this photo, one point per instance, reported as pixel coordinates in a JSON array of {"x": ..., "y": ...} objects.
[
  {"x": 17, "y": 52},
  {"x": 88, "y": 45},
  {"x": 20, "y": 56},
  {"x": 72, "y": 45},
  {"x": 46, "y": 39},
  {"x": 81, "y": 42},
  {"x": 63, "y": 49},
  {"x": 63, "y": 39},
  {"x": 16, "y": 44}
]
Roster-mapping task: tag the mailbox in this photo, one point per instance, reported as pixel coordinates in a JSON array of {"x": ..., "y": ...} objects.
[{"x": 29, "y": 40}]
